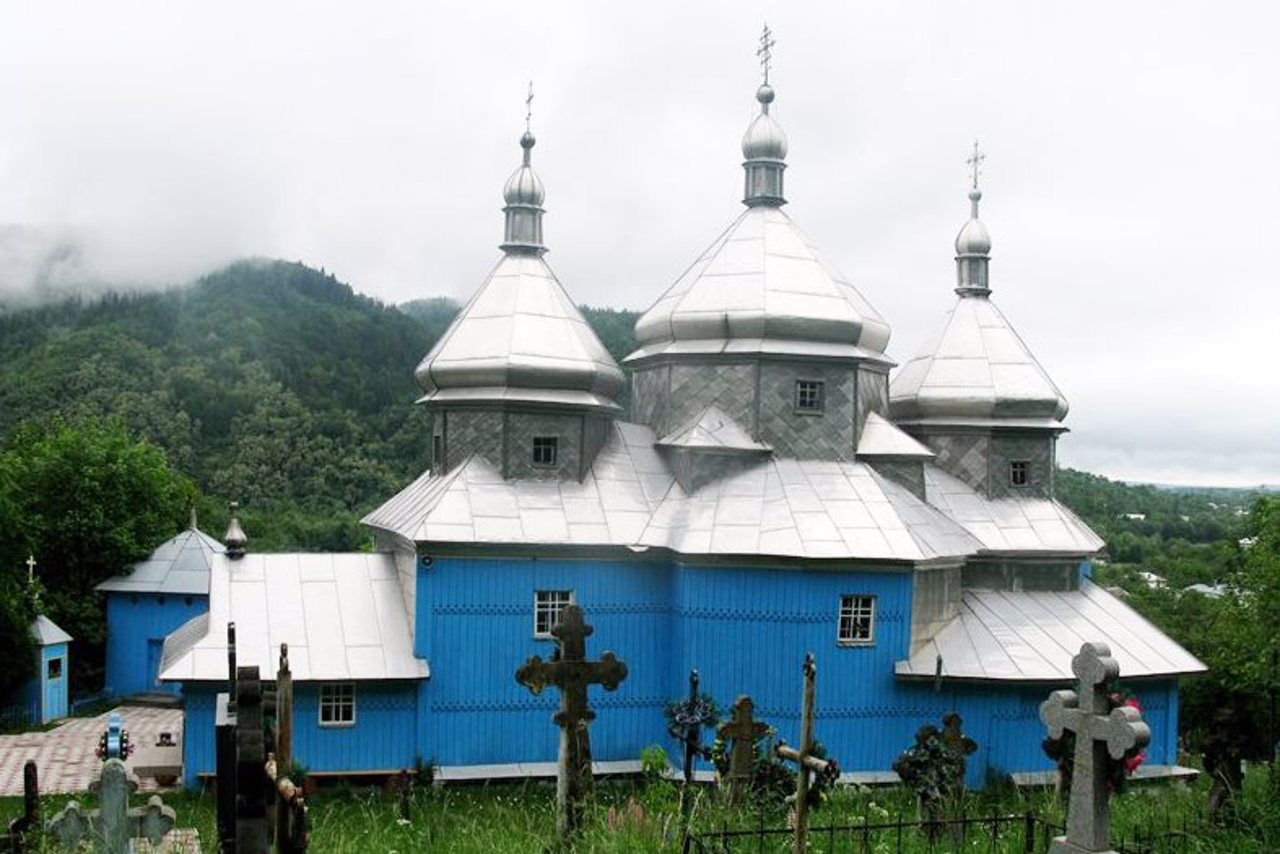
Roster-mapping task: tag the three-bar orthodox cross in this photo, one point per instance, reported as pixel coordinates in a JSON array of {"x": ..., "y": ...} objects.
[
  {"x": 765, "y": 51},
  {"x": 569, "y": 671},
  {"x": 1100, "y": 731},
  {"x": 975, "y": 163}
]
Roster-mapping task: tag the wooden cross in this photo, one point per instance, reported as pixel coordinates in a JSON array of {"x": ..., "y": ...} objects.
[
  {"x": 806, "y": 762},
  {"x": 111, "y": 827},
  {"x": 1099, "y": 733},
  {"x": 765, "y": 51},
  {"x": 743, "y": 730},
  {"x": 569, "y": 671},
  {"x": 975, "y": 163}
]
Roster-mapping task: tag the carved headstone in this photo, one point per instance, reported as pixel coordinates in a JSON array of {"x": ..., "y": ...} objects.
[
  {"x": 742, "y": 731},
  {"x": 1098, "y": 734},
  {"x": 572, "y": 673},
  {"x": 110, "y": 828}
]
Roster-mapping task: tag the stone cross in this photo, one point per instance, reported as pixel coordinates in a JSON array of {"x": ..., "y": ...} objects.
[
  {"x": 110, "y": 828},
  {"x": 1098, "y": 733},
  {"x": 743, "y": 730},
  {"x": 569, "y": 671},
  {"x": 806, "y": 762}
]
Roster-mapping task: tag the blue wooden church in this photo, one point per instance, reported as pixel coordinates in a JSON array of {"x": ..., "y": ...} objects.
[{"x": 776, "y": 489}]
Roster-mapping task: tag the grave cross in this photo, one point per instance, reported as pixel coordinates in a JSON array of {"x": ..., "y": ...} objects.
[
  {"x": 744, "y": 731},
  {"x": 1098, "y": 734},
  {"x": 569, "y": 671},
  {"x": 806, "y": 762},
  {"x": 111, "y": 827}
]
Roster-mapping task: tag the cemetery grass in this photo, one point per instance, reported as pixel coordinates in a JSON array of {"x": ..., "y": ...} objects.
[{"x": 642, "y": 817}]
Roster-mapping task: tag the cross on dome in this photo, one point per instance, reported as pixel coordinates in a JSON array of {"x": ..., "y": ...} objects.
[
  {"x": 975, "y": 163},
  {"x": 528, "y": 108},
  {"x": 765, "y": 51}
]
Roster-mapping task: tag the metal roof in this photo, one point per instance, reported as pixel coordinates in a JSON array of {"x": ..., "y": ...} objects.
[
  {"x": 179, "y": 566},
  {"x": 46, "y": 632},
  {"x": 1032, "y": 635},
  {"x": 882, "y": 438},
  {"x": 712, "y": 430},
  {"x": 629, "y": 498},
  {"x": 763, "y": 279},
  {"x": 343, "y": 616},
  {"x": 1021, "y": 524},
  {"x": 521, "y": 338},
  {"x": 975, "y": 366}
]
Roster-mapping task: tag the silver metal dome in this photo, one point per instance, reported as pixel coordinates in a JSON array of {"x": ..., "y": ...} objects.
[
  {"x": 524, "y": 187},
  {"x": 764, "y": 137},
  {"x": 973, "y": 238}
]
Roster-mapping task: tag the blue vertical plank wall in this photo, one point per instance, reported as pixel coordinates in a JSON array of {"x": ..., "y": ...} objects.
[
  {"x": 475, "y": 627},
  {"x": 134, "y": 620},
  {"x": 382, "y": 737}
]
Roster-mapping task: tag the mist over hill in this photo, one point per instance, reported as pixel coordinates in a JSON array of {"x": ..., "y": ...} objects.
[{"x": 278, "y": 385}]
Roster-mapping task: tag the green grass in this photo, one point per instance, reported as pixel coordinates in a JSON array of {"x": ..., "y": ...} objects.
[{"x": 639, "y": 817}]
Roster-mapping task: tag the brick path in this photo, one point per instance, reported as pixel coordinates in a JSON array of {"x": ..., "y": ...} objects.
[{"x": 65, "y": 756}]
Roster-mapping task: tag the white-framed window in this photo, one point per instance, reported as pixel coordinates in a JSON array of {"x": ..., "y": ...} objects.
[
  {"x": 1018, "y": 472},
  {"x": 809, "y": 397},
  {"x": 337, "y": 704},
  {"x": 857, "y": 623},
  {"x": 545, "y": 450},
  {"x": 547, "y": 607}
]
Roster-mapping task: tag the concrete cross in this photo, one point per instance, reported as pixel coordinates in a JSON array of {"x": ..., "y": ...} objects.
[
  {"x": 1100, "y": 732},
  {"x": 806, "y": 762},
  {"x": 110, "y": 828},
  {"x": 743, "y": 730},
  {"x": 572, "y": 673}
]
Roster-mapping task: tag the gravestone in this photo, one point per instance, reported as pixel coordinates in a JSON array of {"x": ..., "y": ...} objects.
[
  {"x": 1098, "y": 735},
  {"x": 742, "y": 731},
  {"x": 806, "y": 762},
  {"x": 25, "y": 829},
  {"x": 569, "y": 671},
  {"x": 109, "y": 829}
]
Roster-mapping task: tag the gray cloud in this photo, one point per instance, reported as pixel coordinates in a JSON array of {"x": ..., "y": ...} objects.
[{"x": 1132, "y": 187}]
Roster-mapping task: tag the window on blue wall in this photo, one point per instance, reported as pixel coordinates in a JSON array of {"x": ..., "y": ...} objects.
[
  {"x": 337, "y": 704},
  {"x": 54, "y": 670},
  {"x": 857, "y": 620},
  {"x": 547, "y": 607}
]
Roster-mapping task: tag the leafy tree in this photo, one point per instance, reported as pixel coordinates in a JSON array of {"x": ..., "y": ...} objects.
[
  {"x": 17, "y": 665},
  {"x": 89, "y": 500}
]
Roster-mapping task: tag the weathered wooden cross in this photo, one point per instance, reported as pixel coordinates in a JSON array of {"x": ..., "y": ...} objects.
[
  {"x": 569, "y": 671},
  {"x": 806, "y": 762},
  {"x": 743, "y": 731},
  {"x": 110, "y": 828},
  {"x": 1098, "y": 733},
  {"x": 24, "y": 830}
]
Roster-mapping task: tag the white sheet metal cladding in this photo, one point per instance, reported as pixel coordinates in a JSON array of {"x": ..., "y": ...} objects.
[
  {"x": 179, "y": 566},
  {"x": 975, "y": 366},
  {"x": 784, "y": 508},
  {"x": 712, "y": 430},
  {"x": 341, "y": 614},
  {"x": 880, "y": 438},
  {"x": 1010, "y": 524},
  {"x": 763, "y": 279},
  {"x": 46, "y": 631},
  {"x": 521, "y": 337},
  {"x": 1031, "y": 636}
]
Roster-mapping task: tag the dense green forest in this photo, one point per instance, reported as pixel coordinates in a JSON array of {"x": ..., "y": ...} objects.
[{"x": 277, "y": 385}]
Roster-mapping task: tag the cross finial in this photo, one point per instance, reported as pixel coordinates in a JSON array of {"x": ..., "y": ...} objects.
[
  {"x": 765, "y": 51},
  {"x": 528, "y": 108},
  {"x": 31, "y": 569},
  {"x": 975, "y": 163}
]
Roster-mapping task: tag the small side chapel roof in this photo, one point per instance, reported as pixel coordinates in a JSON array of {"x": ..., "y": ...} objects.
[
  {"x": 46, "y": 632},
  {"x": 881, "y": 438},
  {"x": 179, "y": 566},
  {"x": 342, "y": 615},
  {"x": 1031, "y": 636},
  {"x": 712, "y": 430}
]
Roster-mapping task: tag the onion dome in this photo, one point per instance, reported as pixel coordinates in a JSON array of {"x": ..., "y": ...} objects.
[
  {"x": 975, "y": 369},
  {"x": 521, "y": 339},
  {"x": 762, "y": 286}
]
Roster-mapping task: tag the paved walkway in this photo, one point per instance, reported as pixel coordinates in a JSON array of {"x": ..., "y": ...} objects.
[{"x": 65, "y": 756}]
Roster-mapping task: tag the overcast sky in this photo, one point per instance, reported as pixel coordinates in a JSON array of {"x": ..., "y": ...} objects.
[{"x": 1132, "y": 186}]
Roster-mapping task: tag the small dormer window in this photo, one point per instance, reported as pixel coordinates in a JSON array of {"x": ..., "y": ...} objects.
[
  {"x": 1018, "y": 472},
  {"x": 809, "y": 397},
  {"x": 545, "y": 449}
]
